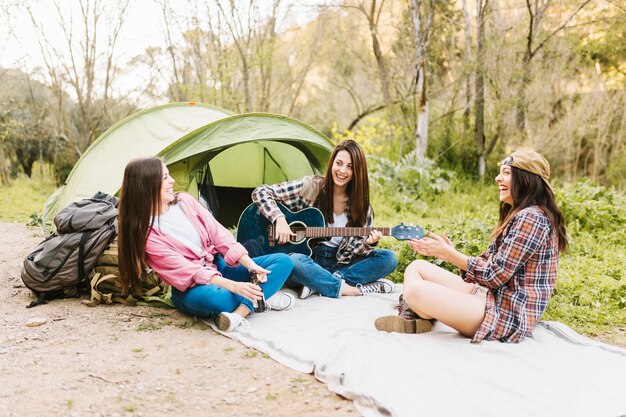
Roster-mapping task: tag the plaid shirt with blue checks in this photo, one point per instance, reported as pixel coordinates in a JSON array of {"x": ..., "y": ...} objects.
[{"x": 519, "y": 269}]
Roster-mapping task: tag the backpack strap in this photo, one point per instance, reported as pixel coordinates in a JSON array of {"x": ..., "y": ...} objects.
[
  {"x": 44, "y": 296},
  {"x": 81, "y": 256},
  {"x": 41, "y": 299}
]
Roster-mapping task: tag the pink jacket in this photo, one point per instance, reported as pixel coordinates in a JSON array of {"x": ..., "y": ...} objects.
[{"x": 179, "y": 266}]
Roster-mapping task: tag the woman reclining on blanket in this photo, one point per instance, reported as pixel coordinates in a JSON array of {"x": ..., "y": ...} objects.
[
  {"x": 502, "y": 293},
  {"x": 184, "y": 244}
]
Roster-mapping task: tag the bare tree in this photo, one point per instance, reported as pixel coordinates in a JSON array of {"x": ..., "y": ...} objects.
[
  {"x": 421, "y": 12},
  {"x": 242, "y": 37},
  {"x": 4, "y": 170},
  {"x": 175, "y": 85},
  {"x": 536, "y": 13},
  {"x": 372, "y": 13},
  {"x": 253, "y": 37},
  {"x": 468, "y": 62},
  {"x": 479, "y": 105},
  {"x": 74, "y": 67}
]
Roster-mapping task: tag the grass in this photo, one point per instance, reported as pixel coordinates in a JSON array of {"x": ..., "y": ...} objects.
[
  {"x": 25, "y": 196},
  {"x": 153, "y": 325},
  {"x": 250, "y": 353}
]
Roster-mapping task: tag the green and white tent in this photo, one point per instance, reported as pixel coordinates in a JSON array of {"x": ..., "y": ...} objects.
[{"x": 224, "y": 154}]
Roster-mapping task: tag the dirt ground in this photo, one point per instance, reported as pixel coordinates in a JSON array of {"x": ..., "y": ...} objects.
[{"x": 133, "y": 361}]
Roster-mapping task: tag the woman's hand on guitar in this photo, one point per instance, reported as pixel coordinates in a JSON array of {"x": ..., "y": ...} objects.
[
  {"x": 283, "y": 232},
  {"x": 374, "y": 237}
]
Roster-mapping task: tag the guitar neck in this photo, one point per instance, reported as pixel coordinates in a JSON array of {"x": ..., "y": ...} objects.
[{"x": 341, "y": 231}]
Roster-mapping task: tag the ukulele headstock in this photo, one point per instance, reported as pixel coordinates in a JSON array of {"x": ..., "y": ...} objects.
[{"x": 404, "y": 232}]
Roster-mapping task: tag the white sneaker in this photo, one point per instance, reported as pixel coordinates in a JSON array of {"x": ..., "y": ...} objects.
[
  {"x": 280, "y": 301},
  {"x": 305, "y": 292},
  {"x": 227, "y": 322},
  {"x": 382, "y": 286}
]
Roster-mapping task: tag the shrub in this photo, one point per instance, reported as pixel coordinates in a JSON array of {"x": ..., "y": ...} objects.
[
  {"x": 593, "y": 208},
  {"x": 406, "y": 177}
]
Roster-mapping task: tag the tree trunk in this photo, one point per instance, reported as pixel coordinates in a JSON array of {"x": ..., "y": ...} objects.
[
  {"x": 378, "y": 54},
  {"x": 536, "y": 12},
  {"x": 267, "y": 60},
  {"x": 4, "y": 171},
  {"x": 421, "y": 130},
  {"x": 481, "y": 166},
  {"x": 420, "y": 44},
  {"x": 468, "y": 78},
  {"x": 520, "y": 113},
  {"x": 479, "y": 106},
  {"x": 246, "y": 85}
]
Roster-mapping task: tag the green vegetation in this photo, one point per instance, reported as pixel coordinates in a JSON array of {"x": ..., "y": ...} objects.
[
  {"x": 250, "y": 353},
  {"x": 192, "y": 324},
  {"x": 23, "y": 200},
  {"x": 153, "y": 325}
]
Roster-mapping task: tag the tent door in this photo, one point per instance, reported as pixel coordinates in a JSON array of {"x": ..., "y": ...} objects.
[{"x": 207, "y": 195}]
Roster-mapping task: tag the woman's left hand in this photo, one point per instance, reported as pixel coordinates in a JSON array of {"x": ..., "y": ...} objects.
[
  {"x": 374, "y": 237},
  {"x": 261, "y": 274}
]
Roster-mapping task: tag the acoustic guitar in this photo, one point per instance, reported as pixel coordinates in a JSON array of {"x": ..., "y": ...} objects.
[{"x": 257, "y": 235}]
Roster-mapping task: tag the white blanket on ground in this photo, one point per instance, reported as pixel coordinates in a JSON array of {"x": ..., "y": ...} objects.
[{"x": 555, "y": 373}]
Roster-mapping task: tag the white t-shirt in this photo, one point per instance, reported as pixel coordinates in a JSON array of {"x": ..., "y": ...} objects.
[
  {"x": 174, "y": 223},
  {"x": 339, "y": 221}
]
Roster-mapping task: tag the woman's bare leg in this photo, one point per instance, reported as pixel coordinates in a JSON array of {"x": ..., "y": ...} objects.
[
  {"x": 349, "y": 290},
  {"x": 462, "y": 312},
  {"x": 421, "y": 269},
  {"x": 433, "y": 292}
]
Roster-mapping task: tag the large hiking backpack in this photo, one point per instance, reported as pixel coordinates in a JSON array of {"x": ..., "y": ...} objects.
[
  {"x": 106, "y": 287},
  {"x": 61, "y": 265}
]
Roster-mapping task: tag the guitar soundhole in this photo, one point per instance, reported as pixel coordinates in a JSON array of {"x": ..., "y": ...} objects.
[{"x": 300, "y": 234}]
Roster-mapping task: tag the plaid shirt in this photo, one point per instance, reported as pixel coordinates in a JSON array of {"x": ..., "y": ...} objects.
[
  {"x": 519, "y": 269},
  {"x": 300, "y": 194}
]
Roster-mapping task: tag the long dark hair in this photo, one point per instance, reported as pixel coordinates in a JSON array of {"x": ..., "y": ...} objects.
[
  {"x": 358, "y": 188},
  {"x": 140, "y": 200},
  {"x": 530, "y": 189}
]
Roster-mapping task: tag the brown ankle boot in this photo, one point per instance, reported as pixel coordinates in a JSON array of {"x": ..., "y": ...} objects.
[
  {"x": 401, "y": 325},
  {"x": 407, "y": 321},
  {"x": 405, "y": 311}
]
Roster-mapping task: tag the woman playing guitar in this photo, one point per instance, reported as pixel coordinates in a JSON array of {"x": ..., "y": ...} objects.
[{"x": 341, "y": 265}]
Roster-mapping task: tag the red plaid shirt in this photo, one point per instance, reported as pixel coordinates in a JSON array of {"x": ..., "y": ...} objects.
[{"x": 519, "y": 269}]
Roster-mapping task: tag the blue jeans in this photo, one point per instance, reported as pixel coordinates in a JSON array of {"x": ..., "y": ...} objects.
[
  {"x": 210, "y": 300},
  {"x": 322, "y": 274}
]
